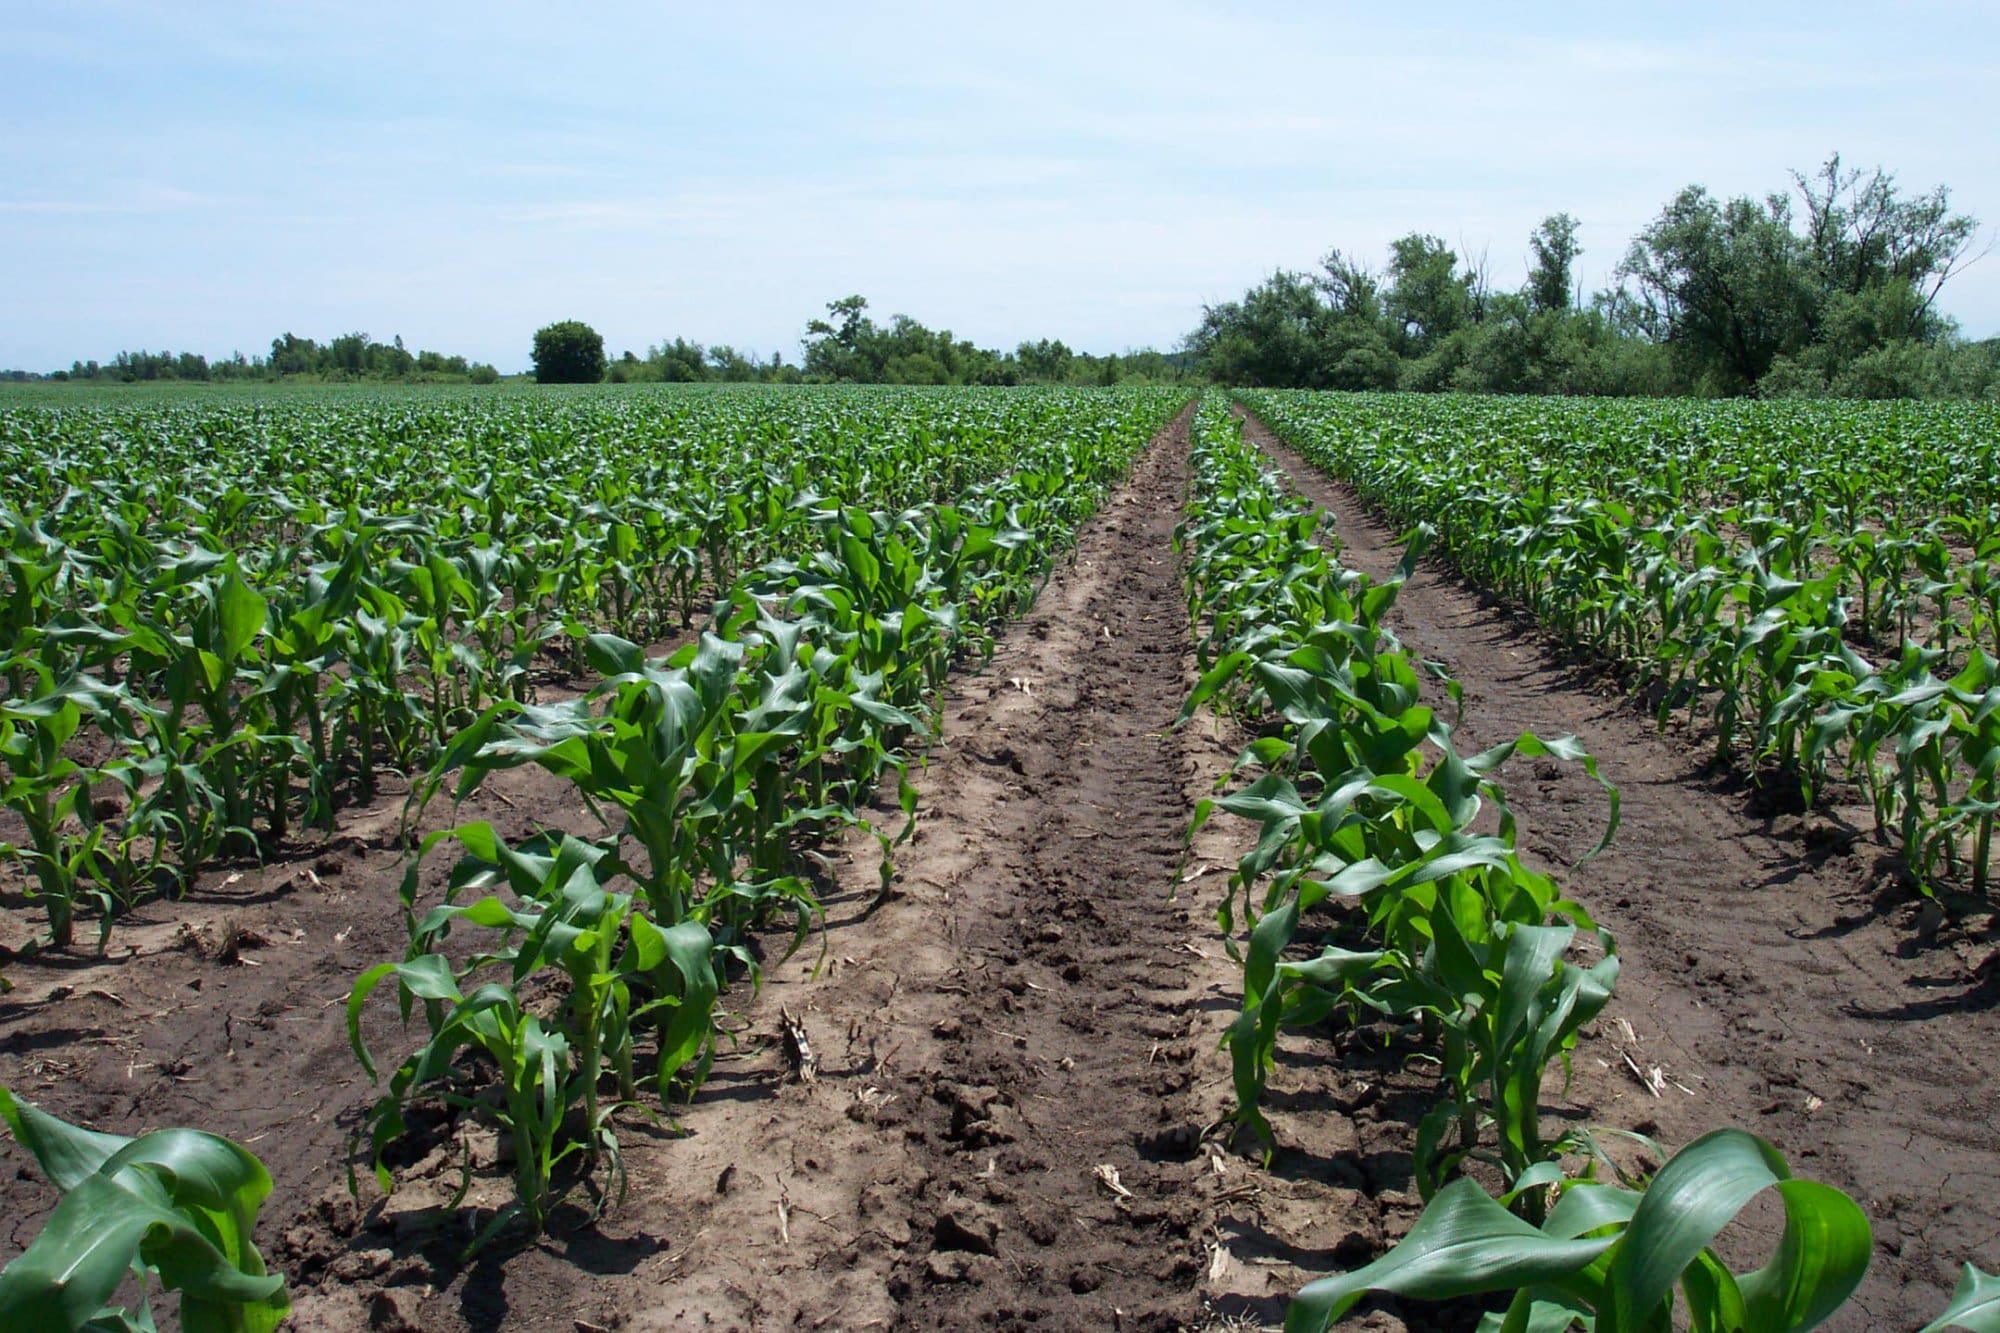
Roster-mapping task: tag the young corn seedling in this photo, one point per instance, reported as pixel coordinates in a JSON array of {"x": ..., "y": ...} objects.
[
  {"x": 532, "y": 1067},
  {"x": 175, "y": 1209},
  {"x": 72, "y": 856},
  {"x": 1630, "y": 1256},
  {"x": 618, "y": 967}
]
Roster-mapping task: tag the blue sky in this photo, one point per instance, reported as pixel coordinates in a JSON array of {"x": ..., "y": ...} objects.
[{"x": 203, "y": 177}]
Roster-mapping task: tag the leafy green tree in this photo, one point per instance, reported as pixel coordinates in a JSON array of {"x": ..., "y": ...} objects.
[
  {"x": 833, "y": 345},
  {"x": 1275, "y": 337},
  {"x": 292, "y": 355},
  {"x": 679, "y": 362},
  {"x": 1745, "y": 288},
  {"x": 568, "y": 352},
  {"x": 1428, "y": 298},
  {"x": 1553, "y": 272},
  {"x": 1282, "y": 334},
  {"x": 1045, "y": 361},
  {"x": 730, "y": 366},
  {"x": 1862, "y": 233},
  {"x": 1829, "y": 289},
  {"x": 851, "y": 348},
  {"x": 1729, "y": 283},
  {"x": 1351, "y": 286}
]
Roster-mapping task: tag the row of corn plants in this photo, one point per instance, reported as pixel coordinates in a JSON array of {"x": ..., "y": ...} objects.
[
  {"x": 1363, "y": 802},
  {"x": 1825, "y": 614},
  {"x": 591, "y": 982},
  {"x": 714, "y": 771},
  {"x": 221, "y": 623},
  {"x": 1364, "y": 813}
]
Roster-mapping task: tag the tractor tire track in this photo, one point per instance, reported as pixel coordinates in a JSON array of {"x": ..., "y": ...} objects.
[{"x": 1772, "y": 971}]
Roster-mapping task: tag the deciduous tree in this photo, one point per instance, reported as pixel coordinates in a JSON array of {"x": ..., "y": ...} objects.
[{"x": 568, "y": 352}]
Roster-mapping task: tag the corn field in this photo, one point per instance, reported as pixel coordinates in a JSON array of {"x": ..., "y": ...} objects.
[{"x": 796, "y": 680}]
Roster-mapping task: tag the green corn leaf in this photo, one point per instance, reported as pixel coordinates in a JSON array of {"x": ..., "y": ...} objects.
[
  {"x": 241, "y": 612},
  {"x": 1464, "y": 1243},
  {"x": 68, "y": 1154},
  {"x": 177, "y": 1201},
  {"x": 1975, "y": 1305},
  {"x": 1532, "y": 956},
  {"x": 689, "y": 952},
  {"x": 1822, "y": 1258},
  {"x": 90, "y": 1241}
]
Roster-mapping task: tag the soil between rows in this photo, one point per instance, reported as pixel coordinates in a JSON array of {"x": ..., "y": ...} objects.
[
  {"x": 1006, "y": 1032},
  {"x": 1017, "y": 1061},
  {"x": 1040, "y": 999},
  {"x": 1774, "y": 970}
]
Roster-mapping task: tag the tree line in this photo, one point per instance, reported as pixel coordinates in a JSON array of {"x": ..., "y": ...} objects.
[
  {"x": 1826, "y": 289},
  {"x": 850, "y": 347},
  {"x": 352, "y": 356}
]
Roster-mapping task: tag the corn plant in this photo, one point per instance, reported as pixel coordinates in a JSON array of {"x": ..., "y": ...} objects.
[
  {"x": 670, "y": 752},
  {"x": 174, "y": 1208},
  {"x": 619, "y": 963},
  {"x": 72, "y": 854},
  {"x": 1363, "y": 800},
  {"x": 617, "y": 966},
  {"x": 1786, "y": 568},
  {"x": 1638, "y": 1254},
  {"x": 531, "y": 1066},
  {"x": 1975, "y": 740},
  {"x": 1508, "y": 1005}
]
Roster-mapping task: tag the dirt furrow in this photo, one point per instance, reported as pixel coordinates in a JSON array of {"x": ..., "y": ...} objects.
[
  {"x": 1016, "y": 1051},
  {"x": 1064, "y": 1076},
  {"x": 1017, "y": 1062},
  {"x": 1772, "y": 971}
]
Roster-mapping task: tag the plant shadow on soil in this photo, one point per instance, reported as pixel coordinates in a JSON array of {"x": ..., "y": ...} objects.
[
  {"x": 942, "y": 1171},
  {"x": 1777, "y": 965}
]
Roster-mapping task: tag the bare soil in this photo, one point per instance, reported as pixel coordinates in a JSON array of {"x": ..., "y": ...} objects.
[
  {"x": 1016, "y": 1115},
  {"x": 1775, "y": 969},
  {"x": 1016, "y": 1050}
]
